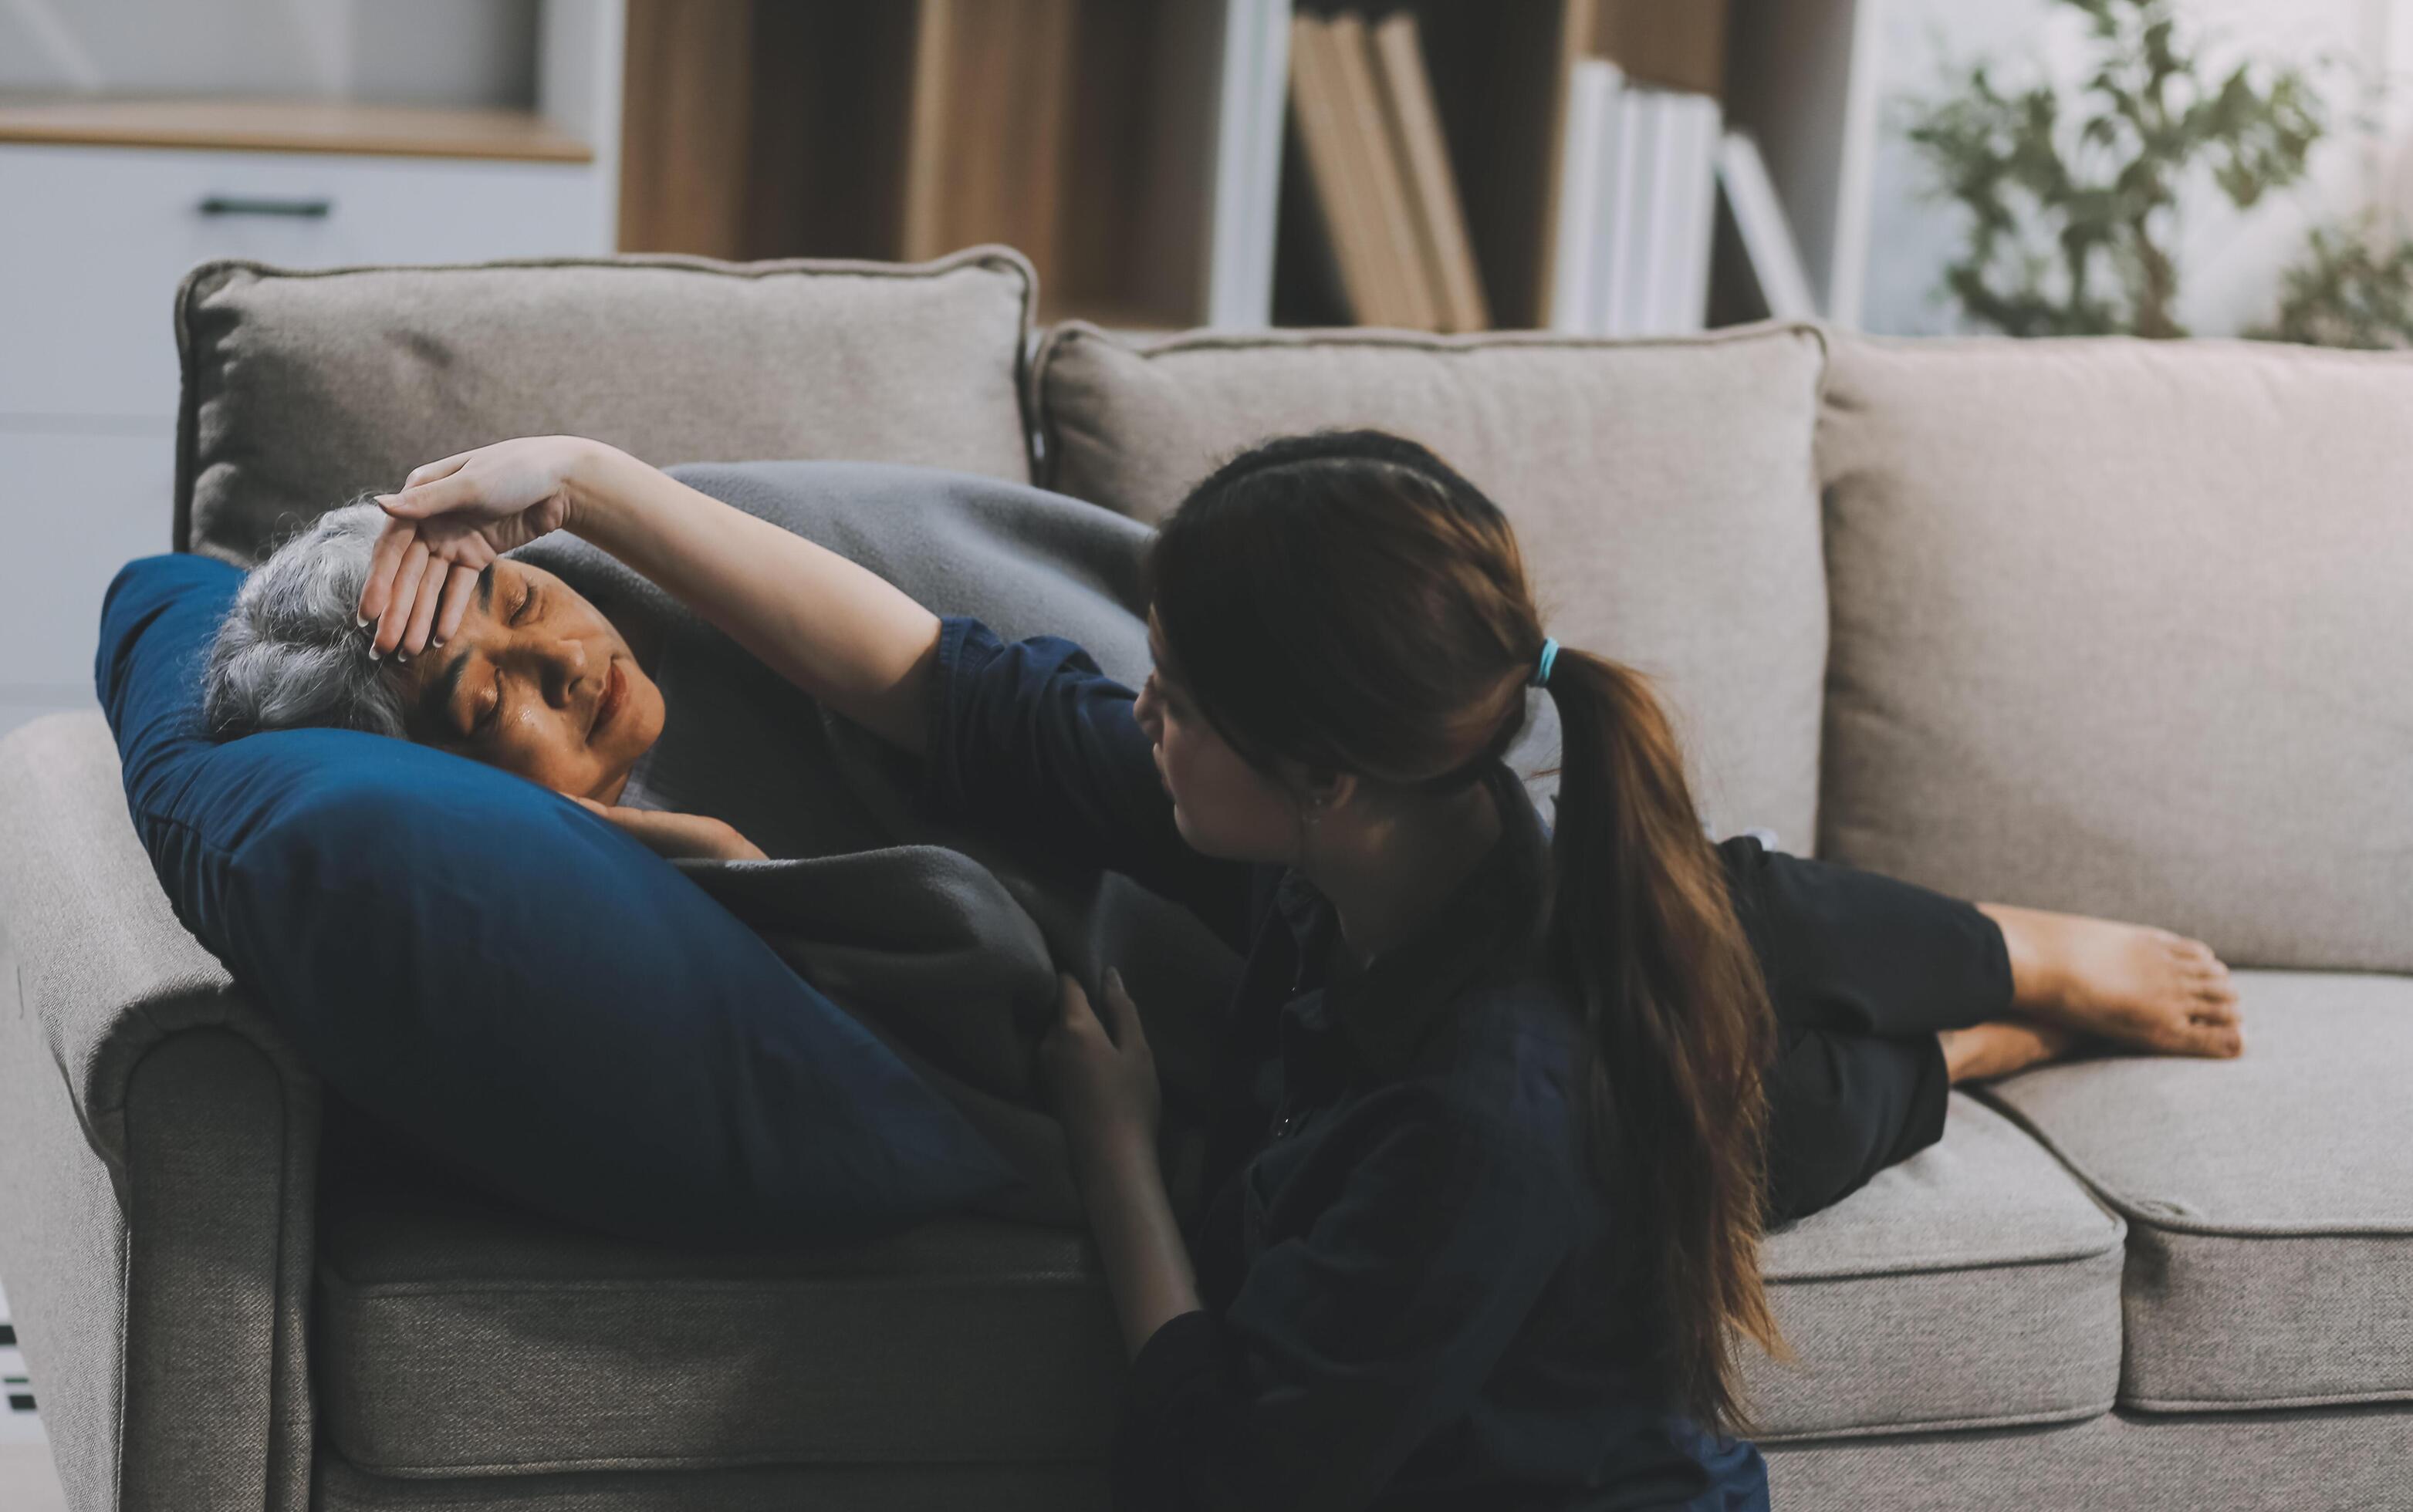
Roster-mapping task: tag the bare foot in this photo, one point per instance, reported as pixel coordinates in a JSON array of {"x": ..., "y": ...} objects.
[
  {"x": 1999, "y": 1046},
  {"x": 2133, "y": 984}
]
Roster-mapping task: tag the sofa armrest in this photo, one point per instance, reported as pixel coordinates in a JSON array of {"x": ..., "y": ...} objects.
[{"x": 158, "y": 1158}]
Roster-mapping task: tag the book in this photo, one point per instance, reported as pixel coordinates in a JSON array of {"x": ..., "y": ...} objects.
[
  {"x": 1417, "y": 138},
  {"x": 1327, "y": 145},
  {"x": 1625, "y": 198},
  {"x": 1575, "y": 261},
  {"x": 1407, "y": 296},
  {"x": 1248, "y": 162},
  {"x": 1697, "y": 224},
  {"x": 1662, "y": 272},
  {"x": 1768, "y": 241}
]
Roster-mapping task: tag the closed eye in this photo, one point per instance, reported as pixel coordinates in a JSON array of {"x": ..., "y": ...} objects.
[
  {"x": 520, "y": 608},
  {"x": 494, "y": 714}
]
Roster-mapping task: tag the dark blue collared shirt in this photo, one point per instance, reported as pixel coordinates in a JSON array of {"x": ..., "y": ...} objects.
[{"x": 1404, "y": 1268}]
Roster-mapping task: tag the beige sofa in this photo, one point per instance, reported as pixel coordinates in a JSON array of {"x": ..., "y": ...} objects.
[{"x": 2094, "y": 625}]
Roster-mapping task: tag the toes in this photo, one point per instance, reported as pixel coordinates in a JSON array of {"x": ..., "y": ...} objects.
[
  {"x": 2215, "y": 1011},
  {"x": 2219, "y": 1042}
]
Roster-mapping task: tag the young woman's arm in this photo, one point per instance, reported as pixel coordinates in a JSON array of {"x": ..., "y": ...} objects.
[{"x": 839, "y": 631}]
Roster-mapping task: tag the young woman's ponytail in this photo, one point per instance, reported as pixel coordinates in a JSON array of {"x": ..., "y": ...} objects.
[
  {"x": 1346, "y": 600},
  {"x": 1677, "y": 1023}
]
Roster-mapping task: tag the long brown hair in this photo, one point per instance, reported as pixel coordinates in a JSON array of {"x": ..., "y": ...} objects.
[{"x": 1347, "y": 600}]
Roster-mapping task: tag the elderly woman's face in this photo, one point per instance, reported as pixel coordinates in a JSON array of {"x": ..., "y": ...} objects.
[{"x": 537, "y": 681}]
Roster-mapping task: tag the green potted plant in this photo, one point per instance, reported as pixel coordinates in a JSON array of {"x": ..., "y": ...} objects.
[
  {"x": 2074, "y": 196},
  {"x": 2354, "y": 287}
]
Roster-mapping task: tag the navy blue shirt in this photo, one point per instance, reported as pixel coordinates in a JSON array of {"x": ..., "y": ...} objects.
[{"x": 1403, "y": 1265}]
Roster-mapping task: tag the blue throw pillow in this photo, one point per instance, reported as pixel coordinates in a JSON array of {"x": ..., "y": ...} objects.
[{"x": 516, "y": 984}]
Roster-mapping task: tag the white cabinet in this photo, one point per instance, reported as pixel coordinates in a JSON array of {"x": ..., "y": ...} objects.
[
  {"x": 76, "y": 507},
  {"x": 107, "y": 202},
  {"x": 110, "y": 190},
  {"x": 97, "y": 238},
  {"x": 93, "y": 244}
]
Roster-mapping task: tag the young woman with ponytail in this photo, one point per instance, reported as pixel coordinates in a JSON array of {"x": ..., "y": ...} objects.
[{"x": 1506, "y": 1107}]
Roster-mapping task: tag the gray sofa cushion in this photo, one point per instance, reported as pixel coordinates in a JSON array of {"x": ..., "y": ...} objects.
[
  {"x": 2343, "y": 1459},
  {"x": 2269, "y": 1199},
  {"x": 1976, "y": 1283},
  {"x": 303, "y": 388},
  {"x": 1662, "y": 491},
  {"x": 2122, "y": 627},
  {"x": 1069, "y": 1486},
  {"x": 456, "y": 1336}
]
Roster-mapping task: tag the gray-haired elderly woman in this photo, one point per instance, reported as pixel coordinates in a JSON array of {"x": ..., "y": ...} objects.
[{"x": 533, "y": 678}]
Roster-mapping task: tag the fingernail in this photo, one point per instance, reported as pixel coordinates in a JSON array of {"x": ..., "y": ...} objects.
[
  {"x": 360, "y": 620},
  {"x": 400, "y": 655},
  {"x": 373, "y": 653},
  {"x": 436, "y": 641}
]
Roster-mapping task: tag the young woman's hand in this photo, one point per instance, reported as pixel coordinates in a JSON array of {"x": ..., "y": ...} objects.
[
  {"x": 455, "y": 516},
  {"x": 1100, "y": 1076},
  {"x": 676, "y": 836}
]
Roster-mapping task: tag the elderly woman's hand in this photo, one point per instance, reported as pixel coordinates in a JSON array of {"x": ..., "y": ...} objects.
[
  {"x": 1100, "y": 1076},
  {"x": 676, "y": 836},
  {"x": 455, "y": 516}
]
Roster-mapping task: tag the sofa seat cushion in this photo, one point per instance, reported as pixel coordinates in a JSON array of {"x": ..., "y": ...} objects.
[
  {"x": 1974, "y": 1284},
  {"x": 2269, "y": 1199},
  {"x": 1663, "y": 494},
  {"x": 304, "y": 389},
  {"x": 1977, "y": 1284},
  {"x": 2122, "y": 627},
  {"x": 458, "y": 1336}
]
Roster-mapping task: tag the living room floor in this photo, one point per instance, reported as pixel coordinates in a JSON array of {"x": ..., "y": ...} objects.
[{"x": 27, "y": 1482}]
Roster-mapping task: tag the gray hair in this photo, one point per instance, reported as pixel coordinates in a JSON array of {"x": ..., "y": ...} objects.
[{"x": 289, "y": 654}]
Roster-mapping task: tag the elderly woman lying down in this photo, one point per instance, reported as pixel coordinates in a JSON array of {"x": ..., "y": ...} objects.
[{"x": 536, "y": 680}]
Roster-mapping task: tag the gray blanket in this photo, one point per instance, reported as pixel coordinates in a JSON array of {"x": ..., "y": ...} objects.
[{"x": 938, "y": 940}]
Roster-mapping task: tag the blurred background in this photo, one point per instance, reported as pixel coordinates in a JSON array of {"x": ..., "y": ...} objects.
[{"x": 2167, "y": 167}]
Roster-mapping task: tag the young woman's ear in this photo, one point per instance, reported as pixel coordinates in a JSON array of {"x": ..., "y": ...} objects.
[{"x": 1328, "y": 790}]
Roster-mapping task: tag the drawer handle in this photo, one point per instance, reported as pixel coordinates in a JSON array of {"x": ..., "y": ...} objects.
[{"x": 219, "y": 204}]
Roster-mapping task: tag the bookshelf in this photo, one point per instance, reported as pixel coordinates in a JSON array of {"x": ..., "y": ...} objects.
[
  {"x": 1157, "y": 161},
  {"x": 1126, "y": 146}
]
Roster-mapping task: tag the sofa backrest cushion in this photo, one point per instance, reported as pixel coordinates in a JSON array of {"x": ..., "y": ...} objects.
[
  {"x": 304, "y": 388},
  {"x": 2126, "y": 628},
  {"x": 508, "y": 980},
  {"x": 1664, "y": 493}
]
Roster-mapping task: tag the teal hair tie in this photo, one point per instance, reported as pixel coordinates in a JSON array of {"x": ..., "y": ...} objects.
[{"x": 1550, "y": 655}]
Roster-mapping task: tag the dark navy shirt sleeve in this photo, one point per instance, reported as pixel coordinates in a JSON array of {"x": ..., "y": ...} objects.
[
  {"x": 1033, "y": 745},
  {"x": 1349, "y": 1344}
]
